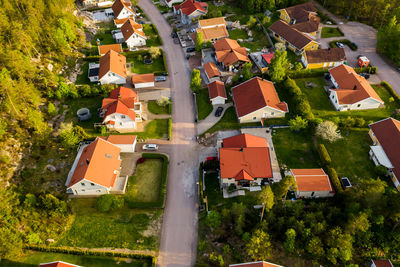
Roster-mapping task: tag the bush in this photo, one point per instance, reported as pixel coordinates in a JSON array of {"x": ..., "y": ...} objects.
[
  {"x": 301, "y": 105},
  {"x": 370, "y": 69},
  {"x": 140, "y": 160},
  {"x": 104, "y": 202},
  {"x": 334, "y": 179},
  {"x": 51, "y": 109},
  {"x": 389, "y": 88},
  {"x": 324, "y": 155},
  {"x": 306, "y": 73}
]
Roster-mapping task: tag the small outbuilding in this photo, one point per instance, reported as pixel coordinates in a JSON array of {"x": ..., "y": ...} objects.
[
  {"x": 143, "y": 80},
  {"x": 312, "y": 183},
  {"x": 217, "y": 93}
]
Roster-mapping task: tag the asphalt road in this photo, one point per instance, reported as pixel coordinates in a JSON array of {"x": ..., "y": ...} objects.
[{"x": 179, "y": 231}]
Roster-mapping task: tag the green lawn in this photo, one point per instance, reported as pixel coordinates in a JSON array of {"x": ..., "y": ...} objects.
[
  {"x": 328, "y": 32},
  {"x": 259, "y": 42},
  {"x": 156, "y": 129},
  {"x": 139, "y": 67},
  {"x": 162, "y": 7},
  {"x": 229, "y": 122},
  {"x": 238, "y": 34},
  {"x": 295, "y": 150},
  {"x": 104, "y": 36},
  {"x": 350, "y": 155},
  {"x": 152, "y": 35},
  {"x": 323, "y": 108},
  {"x": 82, "y": 78},
  {"x": 123, "y": 228},
  {"x": 154, "y": 108},
  {"x": 144, "y": 185},
  {"x": 34, "y": 258},
  {"x": 203, "y": 103}
]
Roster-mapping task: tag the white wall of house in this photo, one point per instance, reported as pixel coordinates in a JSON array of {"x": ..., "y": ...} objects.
[
  {"x": 86, "y": 187},
  {"x": 265, "y": 112},
  {"x": 219, "y": 100},
  {"x": 315, "y": 194},
  {"x": 112, "y": 77},
  {"x": 122, "y": 121},
  {"x": 135, "y": 40},
  {"x": 226, "y": 182},
  {"x": 125, "y": 13},
  {"x": 172, "y": 2},
  {"x": 368, "y": 103},
  {"x": 144, "y": 85},
  {"x": 127, "y": 148},
  {"x": 334, "y": 82}
]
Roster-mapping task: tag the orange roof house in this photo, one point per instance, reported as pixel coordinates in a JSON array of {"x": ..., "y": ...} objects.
[
  {"x": 230, "y": 54},
  {"x": 121, "y": 109},
  {"x": 255, "y": 264},
  {"x": 211, "y": 71},
  {"x": 112, "y": 68},
  {"x": 217, "y": 93},
  {"x": 212, "y": 29},
  {"x": 302, "y": 17},
  {"x": 58, "y": 264},
  {"x": 103, "y": 49},
  {"x": 385, "y": 150},
  {"x": 257, "y": 99},
  {"x": 353, "y": 91},
  {"x": 122, "y": 9},
  {"x": 133, "y": 33},
  {"x": 312, "y": 183},
  {"x": 244, "y": 160},
  {"x": 95, "y": 169},
  {"x": 190, "y": 9},
  {"x": 143, "y": 80}
]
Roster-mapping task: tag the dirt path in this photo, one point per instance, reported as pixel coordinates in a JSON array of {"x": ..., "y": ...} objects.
[{"x": 179, "y": 230}]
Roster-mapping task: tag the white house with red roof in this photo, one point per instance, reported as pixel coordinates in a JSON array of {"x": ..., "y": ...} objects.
[
  {"x": 121, "y": 110},
  {"x": 133, "y": 34},
  {"x": 190, "y": 10},
  {"x": 352, "y": 92},
  {"x": 312, "y": 183},
  {"x": 244, "y": 161},
  {"x": 217, "y": 93},
  {"x": 58, "y": 264},
  {"x": 170, "y": 3},
  {"x": 255, "y": 264},
  {"x": 122, "y": 9},
  {"x": 257, "y": 99},
  {"x": 112, "y": 68},
  {"x": 95, "y": 169},
  {"x": 385, "y": 151}
]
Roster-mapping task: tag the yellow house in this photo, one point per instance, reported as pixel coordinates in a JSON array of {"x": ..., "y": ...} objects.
[
  {"x": 323, "y": 58},
  {"x": 295, "y": 40},
  {"x": 302, "y": 17}
]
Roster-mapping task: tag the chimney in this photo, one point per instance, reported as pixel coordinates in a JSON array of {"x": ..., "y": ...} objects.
[
  {"x": 87, "y": 161},
  {"x": 355, "y": 87}
]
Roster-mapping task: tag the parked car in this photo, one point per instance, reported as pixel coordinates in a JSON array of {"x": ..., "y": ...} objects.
[
  {"x": 365, "y": 75},
  {"x": 192, "y": 30},
  {"x": 329, "y": 22},
  {"x": 340, "y": 45},
  {"x": 218, "y": 112},
  {"x": 152, "y": 147},
  {"x": 160, "y": 79},
  {"x": 174, "y": 34},
  {"x": 190, "y": 49}
]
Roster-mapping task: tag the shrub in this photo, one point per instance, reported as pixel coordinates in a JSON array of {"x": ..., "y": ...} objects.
[
  {"x": 381, "y": 171},
  {"x": 169, "y": 129},
  {"x": 140, "y": 160},
  {"x": 104, "y": 202},
  {"x": 298, "y": 123},
  {"x": 30, "y": 200},
  {"x": 334, "y": 179},
  {"x": 359, "y": 122},
  {"x": 51, "y": 109},
  {"x": 327, "y": 130},
  {"x": 302, "y": 106},
  {"x": 324, "y": 155},
  {"x": 389, "y": 88},
  {"x": 306, "y": 73},
  {"x": 213, "y": 219},
  {"x": 163, "y": 101},
  {"x": 370, "y": 69}
]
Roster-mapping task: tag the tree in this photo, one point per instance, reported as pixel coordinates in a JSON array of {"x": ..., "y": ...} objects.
[
  {"x": 259, "y": 247},
  {"x": 238, "y": 212},
  {"x": 51, "y": 109},
  {"x": 195, "y": 82},
  {"x": 154, "y": 52},
  {"x": 246, "y": 71},
  {"x": 266, "y": 197},
  {"x": 199, "y": 41},
  {"x": 327, "y": 130},
  {"x": 213, "y": 219},
  {"x": 279, "y": 66},
  {"x": 315, "y": 247},
  {"x": 10, "y": 243},
  {"x": 281, "y": 188},
  {"x": 290, "y": 237},
  {"x": 71, "y": 135},
  {"x": 298, "y": 123}
]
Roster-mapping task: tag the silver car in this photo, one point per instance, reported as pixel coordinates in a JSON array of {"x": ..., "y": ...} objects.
[
  {"x": 152, "y": 147},
  {"x": 160, "y": 79}
]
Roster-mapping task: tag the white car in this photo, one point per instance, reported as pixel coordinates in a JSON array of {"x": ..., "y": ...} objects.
[{"x": 152, "y": 147}]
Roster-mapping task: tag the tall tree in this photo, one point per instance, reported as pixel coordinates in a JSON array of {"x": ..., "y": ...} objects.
[
  {"x": 266, "y": 197},
  {"x": 259, "y": 246},
  {"x": 279, "y": 66}
]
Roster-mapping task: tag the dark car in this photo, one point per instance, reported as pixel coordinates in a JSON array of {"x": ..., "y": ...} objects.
[
  {"x": 190, "y": 49},
  {"x": 174, "y": 35},
  {"x": 218, "y": 112},
  {"x": 365, "y": 75}
]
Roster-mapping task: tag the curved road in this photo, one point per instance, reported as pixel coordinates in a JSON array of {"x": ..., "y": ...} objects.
[{"x": 179, "y": 230}]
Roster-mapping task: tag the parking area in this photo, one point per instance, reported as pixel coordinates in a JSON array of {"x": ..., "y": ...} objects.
[{"x": 103, "y": 14}]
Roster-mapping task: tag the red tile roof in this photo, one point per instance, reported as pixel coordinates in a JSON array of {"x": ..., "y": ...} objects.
[
  {"x": 97, "y": 164},
  {"x": 103, "y": 49},
  {"x": 387, "y": 132},
  {"x": 120, "y": 139},
  {"x": 304, "y": 16},
  {"x": 58, "y": 264},
  {"x": 229, "y": 52},
  {"x": 212, "y": 22},
  {"x": 255, "y": 94},
  {"x": 121, "y": 108},
  {"x": 352, "y": 87},
  {"x": 245, "y": 157},
  {"x": 325, "y": 55},
  {"x": 121, "y": 100},
  {"x": 130, "y": 27},
  {"x": 118, "y": 5},
  {"x": 211, "y": 69},
  {"x": 190, "y": 6},
  {"x": 293, "y": 36},
  {"x": 268, "y": 57},
  {"x": 213, "y": 33},
  {"x": 143, "y": 78},
  {"x": 114, "y": 62},
  {"x": 215, "y": 89},
  {"x": 311, "y": 180},
  {"x": 382, "y": 263},
  {"x": 255, "y": 264}
]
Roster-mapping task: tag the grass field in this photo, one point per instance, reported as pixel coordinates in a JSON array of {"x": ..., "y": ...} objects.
[
  {"x": 156, "y": 129},
  {"x": 295, "y": 150},
  {"x": 139, "y": 67},
  {"x": 144, "y": 185},
  {"x": 82, "y": 78},
  {"x": 154, "y": 108},
  {"x": 204, "y": 106},
  {"x": 323, "y": 108},
  {"x": 328, "y": 32},
  {"x": 105, "y": 38},
  {"x": 33, "y": 258},
  {"x": 238, "y": 34},
  {"x": 152, "y": 35},
  {"x": 123, "y": 228}
]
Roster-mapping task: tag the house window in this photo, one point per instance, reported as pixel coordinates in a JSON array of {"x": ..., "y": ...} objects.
[
  {"x": 82, "y": 184},
  {"x": 312, "y": 194},
  {"x": 113, "y": 116},
  {"x": 335, "y": 101},
  {"x": 333, "y": 96},
  {"x": 254, "y": 118},
  {"x": 83, "y": 190},
  {"x": 272, "y": 113},
  {"x": 123, "y": 116},
  {"x": 120, "y": 124},
  {"x": 359, "y": 105},
  {"x": 92, "y": 184}
]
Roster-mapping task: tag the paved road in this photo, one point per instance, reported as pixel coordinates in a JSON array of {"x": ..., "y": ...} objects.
[
  {"x": 211, "y": 120},
  {"x": 365, "y": 37},
  {"x": 179, "y": 230}
]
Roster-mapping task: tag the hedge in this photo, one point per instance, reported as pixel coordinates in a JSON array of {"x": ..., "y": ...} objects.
[
  {"x": 201, "y": 200},
  {"x": 334, "y": 179},
  {"x": 169, "y": 128},
  {"x": 324, "y": 155},
  {"x": 170, "y": 108},
  {"x": 307, "y": 73},
  {"x": 91, "y": 58},
  {"x": 165, "y": 62},
  {"x": 370, "y": 70},
  {"x": 389, "y": 88},
  {"x": 299, "y": 100},
  {"x": 163, "y": 187},
  {"x": 80, "y": 251}
]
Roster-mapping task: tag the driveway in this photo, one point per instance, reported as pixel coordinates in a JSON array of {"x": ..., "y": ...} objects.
[
  {"x": 365, "y": 37},
  {"x": 209, "y": 122},
  {"x": 179, "y": 231}
]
